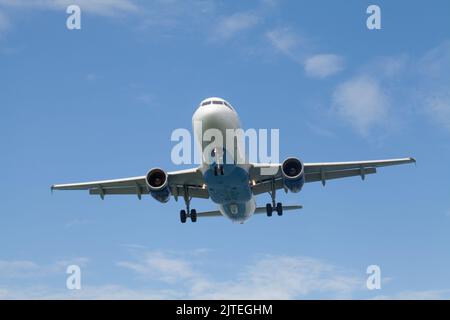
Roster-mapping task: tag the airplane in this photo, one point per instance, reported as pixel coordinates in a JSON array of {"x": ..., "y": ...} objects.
[{"x": 232, "y": 186}]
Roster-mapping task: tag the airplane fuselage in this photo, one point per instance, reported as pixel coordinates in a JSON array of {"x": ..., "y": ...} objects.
[{"x": 228, "y": 183}]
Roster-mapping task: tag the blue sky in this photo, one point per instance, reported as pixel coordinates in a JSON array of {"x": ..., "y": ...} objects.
[{"x": 102, "y": 102}]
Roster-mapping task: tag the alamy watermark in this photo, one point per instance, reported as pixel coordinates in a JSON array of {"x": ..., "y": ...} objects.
[
  {"x": 73, "y": 21},
  {"x": 374, "y": 279},
  {"x": 234, "y": 146},
  {"x": 373, "y": 22},
  {"x": 73, "y": 281}
]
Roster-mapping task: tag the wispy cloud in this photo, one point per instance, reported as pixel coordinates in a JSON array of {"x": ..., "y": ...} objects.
[
  {"x": 229, "y": 26},
  {"x": 172, "y": 275},
  {"x": 184, "y": 276},
  {"x": 417, "y": 295},
  {"x": 296, "y": 47},
  {"x": 4, "y": 23},
  {"x": 156, "y": 265},
  {"x": 362, "y": 103},
  {"x": 285, "y": 41},
  {"x": 434, "y": 76},
  {"x": 387, "y": 87},
  {"x": 18, "y": 268},
  {"x": 270, "y": 277},
  {"x": 323, "y": 65},
  {"x": 26, "y": 268},
  {"x": 99, "y": 7}
]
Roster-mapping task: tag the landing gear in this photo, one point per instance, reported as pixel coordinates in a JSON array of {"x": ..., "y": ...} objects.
[
  {"x": 270, "y": 207},
  {"x": 193, "y": 215},
  {"x": 188, "y": 213},
  {"x": 183, "y": 216},
  {"x": 279, "y": 209},
  {"x": 218, "y": 170}
]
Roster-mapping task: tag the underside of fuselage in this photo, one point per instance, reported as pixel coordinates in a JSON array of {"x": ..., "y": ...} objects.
[{"x": 229, "y": 187}]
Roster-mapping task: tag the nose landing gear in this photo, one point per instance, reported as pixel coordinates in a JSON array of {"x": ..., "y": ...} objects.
[{"x": 218, "y": 170}]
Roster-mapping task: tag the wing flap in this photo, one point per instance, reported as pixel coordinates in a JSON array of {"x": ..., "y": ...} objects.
[
  {"x": 118, "y": 191},
  {"x": 330, "y": 166},
  {"x": 330, "y": 175},
  {"x": 126, "y": 182}
]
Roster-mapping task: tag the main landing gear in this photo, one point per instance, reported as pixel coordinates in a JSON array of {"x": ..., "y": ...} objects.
[
  {"x": 270, "y": 207},
  {"x": 192, "y": 214},
  {"x": 188, "y": 213}
]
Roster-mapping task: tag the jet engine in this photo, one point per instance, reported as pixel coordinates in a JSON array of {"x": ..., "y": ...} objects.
[
  {"x": 293, "y": 174},
  {"x": 158, "y": 183}
]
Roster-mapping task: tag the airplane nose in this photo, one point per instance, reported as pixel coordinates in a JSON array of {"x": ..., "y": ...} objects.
[{"x": 215, "y": 116}]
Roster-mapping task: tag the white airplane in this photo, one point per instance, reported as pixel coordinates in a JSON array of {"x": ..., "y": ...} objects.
[{"x": 232, "y": 186}]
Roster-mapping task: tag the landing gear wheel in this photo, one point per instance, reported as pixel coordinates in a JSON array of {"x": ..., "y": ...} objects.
[
  {"x": 193, "y": 215},
  {"x": 269, "y": 209},
  {"x": 183, "y": 216},
  {"x": 279, "y": 209}
]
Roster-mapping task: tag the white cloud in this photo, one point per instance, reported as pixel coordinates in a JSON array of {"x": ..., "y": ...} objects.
[
  {"x": 158, "y": 266},
  {"x": 99, "y": 7},
  {"x": 296, "y": 47},
  {"x": 284, "y": 40},
  {"x": 228, "y": 27},
  {"x": 434, "y": 93},
  {"x": 4, "y": 22},
  {"x": 417, "y": 295},
  {"x": 390, "y": 66},
  {"x": 271, "y": 277},
  {"x": 17, "y": 268},
  {"x": 436, "y": 62},
  {"x": 362, "y": 103},
  {"x": 282, "y": 277},
  {"x": 437, "y": 106},
  {"x": 187, "y": 277},
  {"x": 29, "y": 269},
  {"x": 323, "y": 65}
]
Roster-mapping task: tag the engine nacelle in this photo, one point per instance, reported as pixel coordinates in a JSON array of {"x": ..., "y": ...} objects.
[
  {"x": 158, "y": 183},
  {"x": 293, "y": 174}
]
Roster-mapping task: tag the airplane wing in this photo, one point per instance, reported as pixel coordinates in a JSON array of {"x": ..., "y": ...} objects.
[
  {"x": 263, "y": 175},
  {"x": 179, "y": 181}
]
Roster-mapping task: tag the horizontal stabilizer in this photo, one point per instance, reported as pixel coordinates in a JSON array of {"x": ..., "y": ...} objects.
[{"x": 259, "y": 210}]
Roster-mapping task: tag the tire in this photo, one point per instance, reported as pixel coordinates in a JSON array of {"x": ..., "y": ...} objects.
[
  {"x": 193, "y": 215},
  {"x": 279, "y": 209},
  {"x": 269, "y": 209},
  {"x": 183, "y": 216}
]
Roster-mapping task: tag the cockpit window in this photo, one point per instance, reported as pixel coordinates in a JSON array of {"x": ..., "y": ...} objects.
[
  {"x": 217, "y": 102},
  {"x": 228, "y": 105}
]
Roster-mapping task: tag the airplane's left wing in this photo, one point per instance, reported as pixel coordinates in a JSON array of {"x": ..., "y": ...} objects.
[
  {"x": 190, "y": 181},
  {"x": 267, "y": 176}
]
